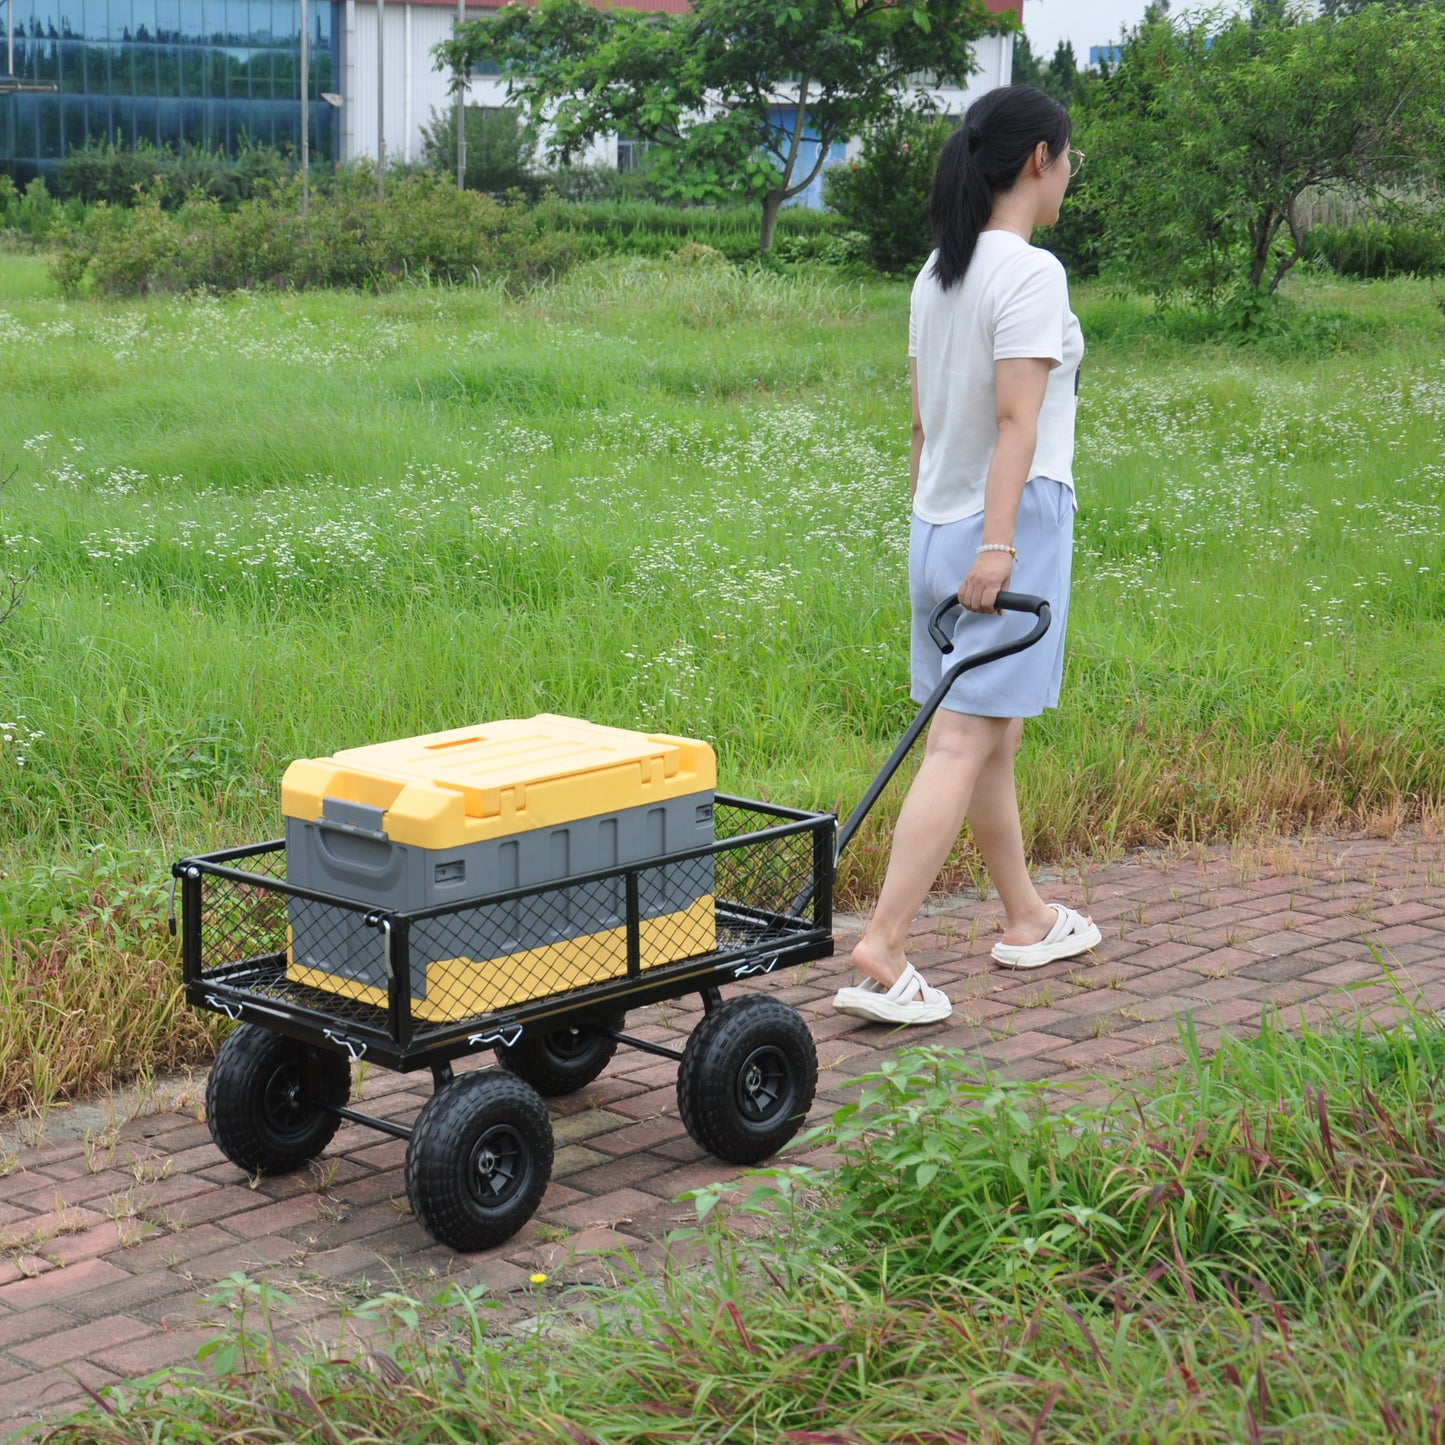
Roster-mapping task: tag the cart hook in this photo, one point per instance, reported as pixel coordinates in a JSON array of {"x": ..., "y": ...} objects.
[
  {"x": 506, "y": 1037},
  {"x": 354, "y": 1051},
  {"x": 224, "y": 1006}
]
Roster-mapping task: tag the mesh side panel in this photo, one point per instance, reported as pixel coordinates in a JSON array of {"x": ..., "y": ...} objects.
[
  {"x": 772, "y": 875},
  {"x": 481, "y": 958}
]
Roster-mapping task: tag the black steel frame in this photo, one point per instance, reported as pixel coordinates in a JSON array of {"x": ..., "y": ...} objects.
[{"x": 395, "y": 1039}]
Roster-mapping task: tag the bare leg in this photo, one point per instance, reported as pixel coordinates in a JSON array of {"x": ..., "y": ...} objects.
[
  {"x": 959, "y": 745},
  {"x": 993, "y": 818}
]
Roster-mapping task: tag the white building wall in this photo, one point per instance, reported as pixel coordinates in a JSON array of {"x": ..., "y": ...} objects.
[{"x": 413, "y": 87}]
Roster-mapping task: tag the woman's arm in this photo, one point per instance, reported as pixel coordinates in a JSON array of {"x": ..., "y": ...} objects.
[
  {"x": 916, "y": 450},
  {"x": 1019, "y": 385}
]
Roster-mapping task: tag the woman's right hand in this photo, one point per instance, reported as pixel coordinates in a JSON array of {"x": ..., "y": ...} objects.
[{"x": 988, "y": 576}]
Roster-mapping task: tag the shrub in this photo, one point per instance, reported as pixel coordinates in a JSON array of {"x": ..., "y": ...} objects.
[
  {"x": 35, "y": 214},
  {"x": 109, "y": 171},
  {"x": 1371, "y": 249},
  {"x": 423, "y": 227},
  {"x": 644, "y": 228},
  {"x": 500, "y": 149},
  {"x": 884, "y": 196}
]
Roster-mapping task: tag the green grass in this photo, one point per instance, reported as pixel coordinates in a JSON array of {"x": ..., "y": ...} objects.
[
  {"x": 1245, "y": 1251},
  {"x": 267, "y": 527}
]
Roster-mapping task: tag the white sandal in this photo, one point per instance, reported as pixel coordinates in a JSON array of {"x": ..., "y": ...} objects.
[
  {"x": 871, "y": 1000},
  {"x": 1071, "y": 934}
]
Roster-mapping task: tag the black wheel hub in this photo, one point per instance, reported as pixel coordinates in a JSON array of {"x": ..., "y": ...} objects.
[
  {"x": 498, "y": 1165},
  {"x": 285, "y": 1101},
  {"x": 764, "y": 1084},
  {"x": 569, "y": 1044}
]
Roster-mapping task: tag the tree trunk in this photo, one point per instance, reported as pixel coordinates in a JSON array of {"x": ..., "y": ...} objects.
[{"x": 772, "y": 203}]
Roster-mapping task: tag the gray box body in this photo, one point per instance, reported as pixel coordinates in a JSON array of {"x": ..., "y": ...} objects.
[{"x": 346, "y": 854}]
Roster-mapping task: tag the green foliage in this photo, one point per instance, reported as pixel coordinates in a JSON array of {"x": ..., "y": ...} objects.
[
  {"x": 1267, "y": 1266},
  {"x": 703, "y": 86},
  {"x": 642, "y": 228},
  {"x": 1304, "y": 1170},
  {"x": 1206, "y": 134},
  {"x": 423, "y": 227},
  {"x": 1379, "y": 248},
  {"x": 108, "y": 171},
  {"x": 35, "y": 214},
  {"x": 884, "y": 194},
  {"x": 1059, "y": 77},
  {"x": 500, "y": 149}
]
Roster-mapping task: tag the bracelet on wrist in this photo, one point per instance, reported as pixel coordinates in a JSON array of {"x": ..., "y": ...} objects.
[{"x": 999, "y": 547}]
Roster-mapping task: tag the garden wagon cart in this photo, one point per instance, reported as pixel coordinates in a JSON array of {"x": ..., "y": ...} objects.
[{"x": 479, "y": 1154}]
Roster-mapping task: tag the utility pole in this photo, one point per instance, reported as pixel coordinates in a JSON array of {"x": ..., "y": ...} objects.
[
  {"x": 305, "y": 110},
  {"x": 380, "y": 100},
  {"x": 461, "y": 110}
]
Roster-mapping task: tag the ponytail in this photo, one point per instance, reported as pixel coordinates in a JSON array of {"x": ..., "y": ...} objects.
[{"x": 981, "y": 161}]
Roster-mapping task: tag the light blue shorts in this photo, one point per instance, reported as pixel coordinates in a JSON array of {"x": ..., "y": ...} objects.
[{"x": 939, "y": 556}]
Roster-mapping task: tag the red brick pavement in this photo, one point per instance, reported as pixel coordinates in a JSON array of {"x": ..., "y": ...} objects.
[{"x": 109, "y": 1241}]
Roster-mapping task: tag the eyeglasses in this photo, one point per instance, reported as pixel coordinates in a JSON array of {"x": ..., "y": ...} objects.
[{"x": 1076, "y": 160}]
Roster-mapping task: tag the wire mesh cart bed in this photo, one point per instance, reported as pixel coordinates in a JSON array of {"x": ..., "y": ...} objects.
[{"x": 479, "y": 1154}]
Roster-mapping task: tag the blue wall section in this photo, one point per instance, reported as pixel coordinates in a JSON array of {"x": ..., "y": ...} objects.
[
  {"x": 782, "y": 119},
  {"x": 212, "y": 73}
]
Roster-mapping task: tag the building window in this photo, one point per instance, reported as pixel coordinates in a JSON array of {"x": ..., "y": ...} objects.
[{"x": 214, "y": 73}]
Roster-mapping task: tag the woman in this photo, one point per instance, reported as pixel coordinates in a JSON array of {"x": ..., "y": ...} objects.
[{"x": 994, "y": 355}]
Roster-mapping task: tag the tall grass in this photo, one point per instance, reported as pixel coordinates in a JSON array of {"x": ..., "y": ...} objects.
[
  {"x": 675, "y": 497},
  {"x": 1268, "y": 1269}
]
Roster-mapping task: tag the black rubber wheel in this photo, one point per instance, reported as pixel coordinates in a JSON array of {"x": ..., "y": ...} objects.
[
  {"x": 269, "y": 1098},
  {"x": 479, "y": 1160},
  {"x": 748, "y": 1075},
  {"x": 563, "y": 1061}
]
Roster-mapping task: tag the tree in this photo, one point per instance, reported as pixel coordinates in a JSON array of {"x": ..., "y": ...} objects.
[
  {"x": 500, "y": 147},
  {"x": 1060, "y": 78},
  {"x": 730, "y": 92},
  {"x": 1206, "y": 135}
]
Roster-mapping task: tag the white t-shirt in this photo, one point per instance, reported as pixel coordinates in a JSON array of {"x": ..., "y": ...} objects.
[{"x": 1013, "y": 301}]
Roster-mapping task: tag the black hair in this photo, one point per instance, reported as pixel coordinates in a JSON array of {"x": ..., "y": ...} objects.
[{"x": 981, "y": 161}]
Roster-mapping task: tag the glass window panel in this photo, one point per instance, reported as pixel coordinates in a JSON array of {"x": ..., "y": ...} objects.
[
  {"x": 238, "y": 22},
  {"x": 285, "y": 21},
  {"x": 286, "y": 127},
  {"x": 167, "y": 25},
  {"x": 168, "y": 123},
  {"x": 192, "y": 21},
  {"x": 71, "y": 22},
  {"x": 47, "y": 121},
  {"x": 192, "y": 72},
  {"x": 168, "y": 73},
  {"x": 213, "y": 14},
  {"x": 285, "y": 75},
  {"x": 7, "y": 127},
  {"x": 193, "y": 122},
  {"x": 258, "y": 74},
  {"x": 146, "y": 121},
  {"x": 97, "y": 119},
  {"x": 324, "y": 19},
  {"x": 321, "y": 72},
  {"x": 122, "y": 120},
  {"x": 45, "y": 59},
  {"x": 106, "y": 19},
  {"x": 97, "y": 69},
  {"x": 123, "y": 70},
  {"x": 72, "y": 67}
]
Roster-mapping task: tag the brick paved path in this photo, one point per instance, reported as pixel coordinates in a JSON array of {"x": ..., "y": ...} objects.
[{"x": 108, "y": 1240}]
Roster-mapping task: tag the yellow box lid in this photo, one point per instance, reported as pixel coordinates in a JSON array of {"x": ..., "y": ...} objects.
[{"x": 470, "y": 785}]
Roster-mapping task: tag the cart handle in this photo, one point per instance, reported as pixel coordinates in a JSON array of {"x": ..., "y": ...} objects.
[{"x": 1005, "y": 601}]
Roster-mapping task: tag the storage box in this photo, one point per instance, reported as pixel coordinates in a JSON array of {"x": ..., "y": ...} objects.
[{"x": 455, "y": 816}]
